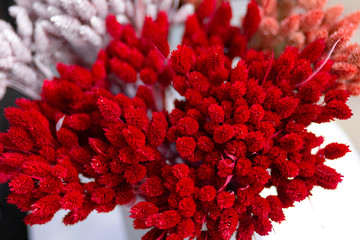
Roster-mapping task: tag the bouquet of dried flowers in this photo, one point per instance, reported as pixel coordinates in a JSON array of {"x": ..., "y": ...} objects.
[{"x": 196, "y": 166}]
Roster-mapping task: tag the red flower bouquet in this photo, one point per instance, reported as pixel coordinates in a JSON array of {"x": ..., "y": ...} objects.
[{"x": 105, "y": 136}]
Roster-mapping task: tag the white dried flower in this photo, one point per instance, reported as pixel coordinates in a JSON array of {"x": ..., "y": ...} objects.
[{"x": 51, "y": 31}]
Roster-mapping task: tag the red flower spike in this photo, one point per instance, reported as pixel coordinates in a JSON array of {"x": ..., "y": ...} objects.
[
  {"x": 243, "y": 167},
  {"x": 134, "y": 137},
  {"x": 46, "y": 206},
  {"x": 113, "y": 27},
  {"x": 109, "y": 109},
  {"x": 168, "y": 219},
  {"x": 142, "y": 210},
  {"x": 78, "y": 122},
  {"x": 20, "y": 138},
  {"x": 187, "y": 126},
  {"x": 255, "y": 141},
  {"x": 252, "y": 19},
  {"x": 207, "y": 194},
  {"x": 152, "y": 187},
  {"x": 123, "y": 70},
  {"x": 223, "y": 133},
  {"x": 340, "y": 95},
  {"x": 180, "y": 170},
  {"x": 182, "y": 59},
  {"x": 157, "y": 129},
  {"x": 187, "y": 207},
  {"x": 314, "y": 50},
  {"x": 225, "y": 168},
  {"x": 185, "y": 228},
  {"x": 327, "y": 177},
  {"x": 81, "y": 76},
  {"x": 276, "y": 213},
  {"x": 136, "y": 117},
  {"x": 339, "y": 109},
  {"x": 225, "y": 199},
  {"x": 22, "y": 184},
  {"x": 102, "y": 195},
  {"x": 216, "y": 113},
  {"x": 72, "y": 200},
  {"x": 245, "y": 229},
  {"x": 185, "y": 187},
  {"x": 228, "y": 223},
  {"x": 148, "y": 76},
  {"x": 206, "y": 8},
  {"x": 67, "y": 138},
  {"x": 291, "y": 142},
  {"x": 335, "y": 150},
  {"x": 198, "y": 81},
  {"x": 134, "y": 173},
  {"x": 185, "y": 146}
]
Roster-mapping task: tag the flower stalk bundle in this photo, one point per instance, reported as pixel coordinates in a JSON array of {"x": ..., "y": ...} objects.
[{"x": 200, "y": 169}]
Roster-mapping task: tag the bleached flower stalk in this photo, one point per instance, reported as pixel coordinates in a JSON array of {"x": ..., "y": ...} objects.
[
  {"x": 69, "y": 31},
  {"x": 297, "y": 23}
]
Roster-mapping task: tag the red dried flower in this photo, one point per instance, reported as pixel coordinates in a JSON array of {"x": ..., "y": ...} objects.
[
  {"x": 185, "y": 146},
  {"x": 203, "y": 166},
  {"x": 335, "y": 150}
]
